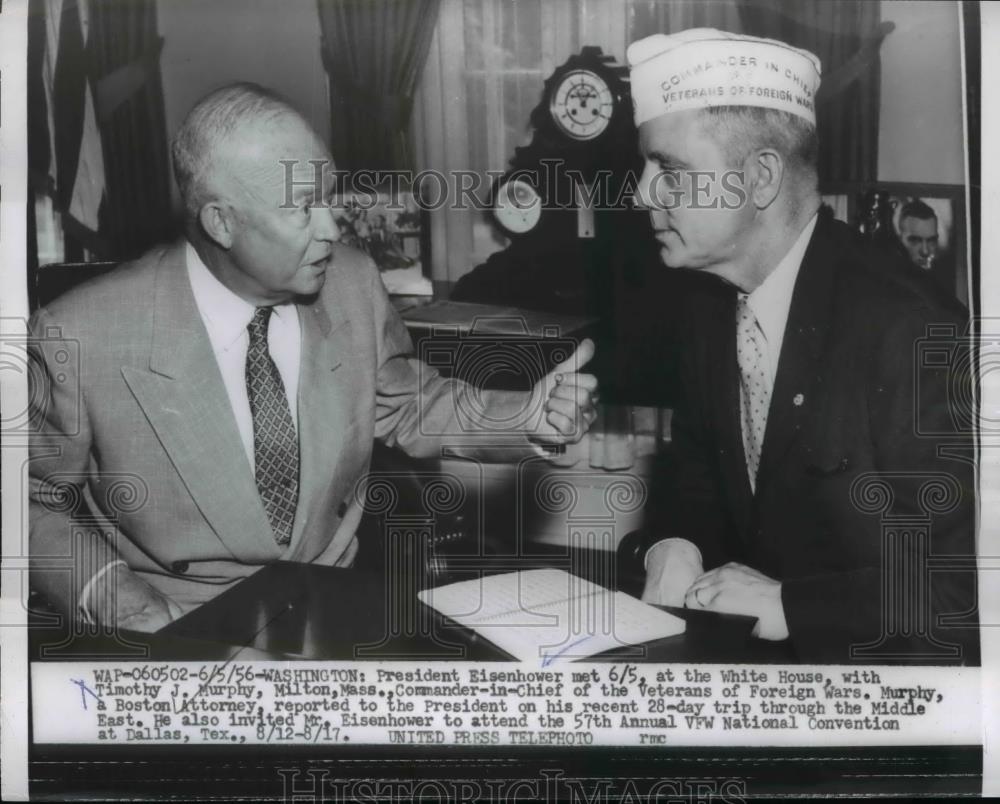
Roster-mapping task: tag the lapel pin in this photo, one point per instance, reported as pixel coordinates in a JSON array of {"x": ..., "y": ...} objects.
[{"x": 798, "y": 399}]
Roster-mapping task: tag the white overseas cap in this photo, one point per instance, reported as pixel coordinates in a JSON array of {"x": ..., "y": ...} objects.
[{"x": 702, "y": 67}]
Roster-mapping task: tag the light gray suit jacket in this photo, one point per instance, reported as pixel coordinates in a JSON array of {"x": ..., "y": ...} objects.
[{"x": 132, "y": 418}]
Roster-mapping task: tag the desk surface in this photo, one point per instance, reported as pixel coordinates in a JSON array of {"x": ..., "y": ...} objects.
[{"x": 303, "y": 611}]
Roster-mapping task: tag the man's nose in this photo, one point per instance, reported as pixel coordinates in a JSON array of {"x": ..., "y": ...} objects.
[{"x": 325, "y": 226}]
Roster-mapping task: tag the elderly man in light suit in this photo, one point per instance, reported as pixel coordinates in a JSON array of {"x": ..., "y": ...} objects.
[{"x": 235, "y": 382}]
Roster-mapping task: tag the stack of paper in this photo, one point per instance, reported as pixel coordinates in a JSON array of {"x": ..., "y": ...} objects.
[{"x": 549, "y": 616}]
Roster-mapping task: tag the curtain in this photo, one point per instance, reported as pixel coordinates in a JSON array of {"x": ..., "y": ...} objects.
[
  {"x": 845, "y": 35},
  {"x": 65, "y": 153},
  {"x": 126, "y": 48},
  {"x": 374, "y": 51},
  {"x": 648, "y": 17},
  {"x": 39, "y": 146},
  {"x": 487, "y": 64}
]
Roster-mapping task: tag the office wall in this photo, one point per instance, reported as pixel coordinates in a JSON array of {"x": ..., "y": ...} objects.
[
  {"x": 277, "y": 44},
  {"x": 920, "y": 128},
  {"x": 208, "y": 44}
]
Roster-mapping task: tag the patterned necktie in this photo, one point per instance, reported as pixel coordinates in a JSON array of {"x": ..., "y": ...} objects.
[
  {"x": 755, "y": 387},
  {"x": 275, "y": 443}
]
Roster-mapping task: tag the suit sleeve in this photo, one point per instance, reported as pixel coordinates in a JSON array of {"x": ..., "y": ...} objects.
[
  {"x": 692, "y": 508},
  {"x": 421, "y": 412},
  {"x": 915, "y": 425},
  {"x": 65, "y": 553}
]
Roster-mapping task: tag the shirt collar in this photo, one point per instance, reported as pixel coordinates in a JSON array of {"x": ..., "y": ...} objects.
[
  {"x": 225, "y": 314},
  {"x": 771, "y": 300}
]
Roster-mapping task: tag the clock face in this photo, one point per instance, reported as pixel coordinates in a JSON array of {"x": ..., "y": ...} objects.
[
  {"x": 518, "y": 206},
  {"x": 582, "y": 105}
]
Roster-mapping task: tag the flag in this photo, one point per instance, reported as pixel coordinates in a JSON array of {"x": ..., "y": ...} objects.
[{"x": 76, "y": 167}]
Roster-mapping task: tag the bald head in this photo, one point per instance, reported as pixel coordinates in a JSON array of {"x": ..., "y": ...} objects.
[
  {"x": 221, "y": 126},
  {"x": 256, "y": 182}
]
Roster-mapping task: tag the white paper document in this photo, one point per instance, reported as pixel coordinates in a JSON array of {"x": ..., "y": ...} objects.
[{"x": 549, "y": 616}]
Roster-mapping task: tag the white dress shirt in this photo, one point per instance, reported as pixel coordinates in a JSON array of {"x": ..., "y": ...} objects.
[
  {"x": 226, "y": 318},
  {"x": 770, "y": 302}
]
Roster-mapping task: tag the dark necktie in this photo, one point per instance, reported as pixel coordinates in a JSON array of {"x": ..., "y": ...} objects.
[{"x": 275, "y": 443}]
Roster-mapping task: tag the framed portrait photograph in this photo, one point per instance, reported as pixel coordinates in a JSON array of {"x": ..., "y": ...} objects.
[{"x": 927, "y": 222}]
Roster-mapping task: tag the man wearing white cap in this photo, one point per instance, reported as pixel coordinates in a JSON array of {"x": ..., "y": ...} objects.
[{"x": 800, "y": 394}]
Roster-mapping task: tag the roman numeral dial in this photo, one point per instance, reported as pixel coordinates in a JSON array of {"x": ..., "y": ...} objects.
[{"x": 582, "y": 105}]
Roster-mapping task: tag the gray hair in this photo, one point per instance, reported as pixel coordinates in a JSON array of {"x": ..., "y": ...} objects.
[
  {"x": 741, "y": 130},
  {"x": 196, "y": 145}
]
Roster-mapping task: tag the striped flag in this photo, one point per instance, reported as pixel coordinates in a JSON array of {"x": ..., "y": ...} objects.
[{"x": 76, "y": 167}]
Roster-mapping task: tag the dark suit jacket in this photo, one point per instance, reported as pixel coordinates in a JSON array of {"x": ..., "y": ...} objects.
[
  {"x": 134, "y": 426},
  {"x": 853, "y": 438}
]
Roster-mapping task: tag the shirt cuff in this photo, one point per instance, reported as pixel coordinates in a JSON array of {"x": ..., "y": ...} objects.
[
  {"x": 85, "y": 594},
  {"x": 674, "y": 539},
  {"x": 549, "y": 453}
]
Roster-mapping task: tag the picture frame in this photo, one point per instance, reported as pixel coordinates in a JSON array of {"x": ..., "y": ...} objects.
[
  {"x": 950, "y": 264},
  {"x": 391, "y": 228}
]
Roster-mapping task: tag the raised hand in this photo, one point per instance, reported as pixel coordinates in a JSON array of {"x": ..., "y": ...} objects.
[{"x": 569, "y": 399}]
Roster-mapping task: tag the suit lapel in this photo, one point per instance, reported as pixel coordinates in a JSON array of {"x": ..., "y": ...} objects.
[
  {"x": 796, "y": 383},
  {"x": 324, "y": 410},
  {"x": 185, "y": 401}
]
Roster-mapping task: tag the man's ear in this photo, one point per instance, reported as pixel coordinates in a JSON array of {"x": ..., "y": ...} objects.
[
  {"x": 218, "y": 222},
  {"x": 768, "y": 171}
]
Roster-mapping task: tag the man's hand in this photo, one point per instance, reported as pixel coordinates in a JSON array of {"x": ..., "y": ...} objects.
[
  {"x": 569, "y": 399},
  {"x": 737, "y": 589},
  {"x": 671, "y": 568},
  {"x": 138, "y": 606}
]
